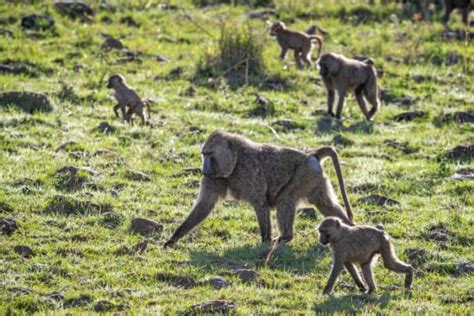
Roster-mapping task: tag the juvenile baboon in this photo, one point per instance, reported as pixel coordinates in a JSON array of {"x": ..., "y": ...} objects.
[
  {"x": 128, "y": 100},
  {"x": 343, "y": 75},
  {"x": 464, "y": 5},
  {"x": 299, "y": 42},
  {"x": 359, "y": 244},
  {"x": 266, "y": 176}
]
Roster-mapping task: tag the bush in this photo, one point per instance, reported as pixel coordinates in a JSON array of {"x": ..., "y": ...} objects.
[{"x": 238, "y": 57}]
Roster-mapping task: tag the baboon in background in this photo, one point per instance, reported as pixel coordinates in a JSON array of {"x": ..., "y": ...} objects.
[
  {"x": 359, "y": 244},
  {"x": 342, "y": 75},
  {"x": 464, "y": 5},
  {"x": 127, "y": 97},
  {"x": 266, "y": 176},
  {"x": 301, "y": 43}
]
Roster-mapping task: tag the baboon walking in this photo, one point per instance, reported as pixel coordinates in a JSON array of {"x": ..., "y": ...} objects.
[
  {"x": 266, "y": 176},
  {"x": 359, "y": 244}
]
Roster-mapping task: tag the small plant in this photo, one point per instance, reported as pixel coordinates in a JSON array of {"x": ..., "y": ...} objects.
[{"x": 238, "y": 57}]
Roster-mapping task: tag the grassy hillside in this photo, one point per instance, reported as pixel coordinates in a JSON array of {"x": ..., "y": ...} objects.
[{"x": 77, "y": 221}]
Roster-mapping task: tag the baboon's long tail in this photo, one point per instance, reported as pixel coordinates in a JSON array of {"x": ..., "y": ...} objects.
[
  {"x": 320, "y": 42},
  {"x": 324, "y": 152}
]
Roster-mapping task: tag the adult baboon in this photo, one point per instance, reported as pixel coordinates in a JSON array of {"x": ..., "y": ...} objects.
[
  {"x": 266, "y": 176},
  {"x": 359, "y": 244},
  {"x": 301, "y": 43},
  {"x": 343, "y": 75},
  {"x": 127, "y": 97},
  {"x": 464, "y": 5}
]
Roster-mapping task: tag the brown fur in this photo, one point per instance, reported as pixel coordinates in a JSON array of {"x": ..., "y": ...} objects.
[
  {"x": 127, "y": 97},
  {"x": 299, "y": 42},
  {"x": 464, "y": 5},
  {"x": 359, "y": 244},
  {"x": 266, "y": 176},
  {"x": 342, "y": 75}
]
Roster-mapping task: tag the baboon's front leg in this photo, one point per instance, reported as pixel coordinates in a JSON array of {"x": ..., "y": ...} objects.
[
  {"x": 340, "y": 104},
  {"x": 264, "y": 222},
  {"x": 283, "y": 52},
  {"x": 336, "y": 270}
]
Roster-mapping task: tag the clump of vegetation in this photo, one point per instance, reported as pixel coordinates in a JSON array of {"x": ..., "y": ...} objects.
[{"x": 238, "y": 57}]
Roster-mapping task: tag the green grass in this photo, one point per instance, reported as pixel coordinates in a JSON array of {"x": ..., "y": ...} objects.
[{"x": 86, "y": 254}]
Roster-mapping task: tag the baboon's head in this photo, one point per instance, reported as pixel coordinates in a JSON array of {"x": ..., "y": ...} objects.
[
  {"x": 276, "y": 27},
  {"x": 329, "y": 64},
  {"x": 218, "y": 156},
  {"x": 330, "y": 230},
  {"x": 115, "y": 81}
]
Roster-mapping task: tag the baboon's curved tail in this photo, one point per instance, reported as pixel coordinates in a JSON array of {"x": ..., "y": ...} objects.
[
  {"x": 320, "y": 42},
  {"x": 324, "y": 152}
]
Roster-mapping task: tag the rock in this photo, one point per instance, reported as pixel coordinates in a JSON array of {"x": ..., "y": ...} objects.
[
  {"x": 74, "y": 9},
  {"x": 66, "y": 205},
  {"x": 24, "y": 251},
  {"x": 161, "y": 59},
  {"x": 245, "y": 275},
  {"x": 453, "y": 59},
  {"x": 222, "y": 306},
  {"x": 140, "y": 247},
  {"x": 287, "y": 124},
  {"x": 112, "y": 43},
  {"x": 262, "y": 14},
  {"x": 29, "y": 102},
  {"x": 103, "y": 306},
  {"x": 409, "y": 116},
  {"x": 145, "y": 226},
  {"x": 461, "y": 152},
  {"x": 219, "y": 282},
  {"x": 342, "y": 140},
  {"x": 308, "y": 212},
  {"x": 264, "y": 108},
  {"x": 81, "y": 300},
  {"x": 459, "y": 117},
  {"x": 404, "y": 147},
  {"x": 8, "y": 226},
  {"x": 41, "y": 22},
  {"x": 130, "y": 21},
  {"x": 378, "y": 200},
  {"x": 464, "y": 267},
  {"x": 105, "y": 128},
  {"x": 137, "y": 175}
]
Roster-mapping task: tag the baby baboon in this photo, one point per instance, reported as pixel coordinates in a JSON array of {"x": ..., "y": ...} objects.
[
  {"x": 359, "y": 244},
  {"x": 266, "y": 176},
  {"x": 342, "y": 75},
  {"x": 299, "y": 42},
  {"x": 464, "y": 5},
  {"x": 127, "y": 97}
]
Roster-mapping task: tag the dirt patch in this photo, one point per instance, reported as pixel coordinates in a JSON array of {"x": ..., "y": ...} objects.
[
  {"x": 81, "y": 300},
  {"x": 176, "y": 280},
  {"x": 8, "y": 226},
  {"x": 66, "y": 205},
  {"x": 24, "y": 251},
  {"x": 417, "y": 256},
  {"x": 112, "y": 220},
  {"x": 409, "y": 116},
  {"x": 342, "y": 140},
  {"x": 218, "y": 282},
  {"x": 74, "y": 9},
  {"x": 145, "y": 227},
  {"x": 405, "y": 147}
]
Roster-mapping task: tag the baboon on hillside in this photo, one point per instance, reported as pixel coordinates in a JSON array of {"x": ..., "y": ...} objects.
[
  {"x": 343, "y": 75},
  {"x": 266, "y": 176},
  {"x": 301, "y": 43},
  {"x": 359, "y": 244},
  {"x": 127, "y": 97}
]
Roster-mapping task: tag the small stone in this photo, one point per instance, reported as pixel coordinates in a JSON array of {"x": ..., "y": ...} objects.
[
  {"x": 24, "y": 251},
  {"x": 137, "y": 175},
  {"x": 145, "y": 226},
  {"x": 213, "y": 307},
  {"x": 245, "y": 275},
  {"x": 219, "y": 282},
  {"x": 378, "y": 200}
]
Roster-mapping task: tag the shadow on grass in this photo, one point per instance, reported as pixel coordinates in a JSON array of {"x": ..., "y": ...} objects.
[
  {"x": 328, "y": 124},
  {"x": 250, "y": 256},
  {"x": 352, "y": 303}
]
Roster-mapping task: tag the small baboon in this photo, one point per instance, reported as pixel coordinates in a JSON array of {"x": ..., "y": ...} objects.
[
  {"x": 299, "y": 42},
  {"x": 464, "y": 5},
  {"x": 266, "y": 176},
  {"x": 343, "y": 75},
  {"x": 359, "y": 244},
  {"x": 128, "y": 100}
]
